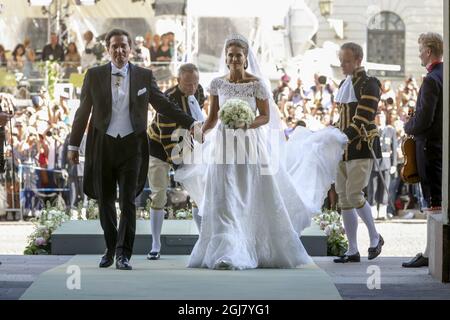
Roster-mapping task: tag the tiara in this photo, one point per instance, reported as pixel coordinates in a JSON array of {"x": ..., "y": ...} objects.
[{"x": 237, "y": 36}]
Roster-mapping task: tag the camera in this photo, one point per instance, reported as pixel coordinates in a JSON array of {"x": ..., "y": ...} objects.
[
  {"x": 322, "y": 80},
  {"x": 52, "y": 132}
]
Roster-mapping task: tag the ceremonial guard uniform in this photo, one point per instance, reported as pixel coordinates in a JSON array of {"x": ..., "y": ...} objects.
[
  {"x": 164, "y": 154},
  {"x": 357, "y": 100}
]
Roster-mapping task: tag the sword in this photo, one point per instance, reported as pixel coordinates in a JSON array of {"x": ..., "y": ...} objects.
[{"x": 378, "y": 168}]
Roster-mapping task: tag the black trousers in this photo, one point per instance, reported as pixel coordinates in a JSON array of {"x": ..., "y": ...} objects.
[
  {"x": 429, "y": 165},
  {"x": 121, "y": 164}
]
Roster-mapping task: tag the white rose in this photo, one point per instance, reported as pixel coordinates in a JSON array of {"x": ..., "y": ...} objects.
[{"x": 327, "y": 230}]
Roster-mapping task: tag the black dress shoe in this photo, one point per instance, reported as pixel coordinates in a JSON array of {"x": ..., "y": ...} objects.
[
  {"x": 375, "y": 251},
  {"x": 153, "y": 255},
  {"x": 106, "y": 261},
  {"x": 418, "y": 261},
  {"x": 348, "y": 258},
  {"x": 122, "y": 263}
]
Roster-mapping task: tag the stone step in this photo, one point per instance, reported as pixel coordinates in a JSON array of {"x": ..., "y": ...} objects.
[{"x": 178, "y": 237}]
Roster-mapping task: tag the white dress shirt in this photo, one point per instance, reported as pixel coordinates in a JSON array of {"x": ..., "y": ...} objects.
[
  {"x": 120, "y": 124},
  {"x": 346, "y": 93}
]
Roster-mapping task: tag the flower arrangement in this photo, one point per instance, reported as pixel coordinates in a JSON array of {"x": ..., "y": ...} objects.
[
  {"x": 90, "y": 212},
  {"x": 40, "y": 240},
  {"x": 171, "y": 212},
  {"x": 51, "y": 70},
  {"x": 183, "y": 214},
  {"x": 236, "y": 114},
  {"x": 330, "y": 223}
]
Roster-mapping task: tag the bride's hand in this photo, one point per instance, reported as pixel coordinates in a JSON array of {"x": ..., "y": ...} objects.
[
  {"x": 205, "y": 130},
  {"x": 197, "y": 132}
]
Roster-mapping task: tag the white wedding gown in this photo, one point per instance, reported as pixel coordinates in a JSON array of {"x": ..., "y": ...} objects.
[{"x": 252, "y": 219}]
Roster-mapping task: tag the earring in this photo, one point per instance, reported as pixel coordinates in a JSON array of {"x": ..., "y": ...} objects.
[{"x": 246, "y": 65}]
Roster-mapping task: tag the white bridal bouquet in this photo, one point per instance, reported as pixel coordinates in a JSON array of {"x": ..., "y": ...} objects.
[{"x": 236, "y": 114}]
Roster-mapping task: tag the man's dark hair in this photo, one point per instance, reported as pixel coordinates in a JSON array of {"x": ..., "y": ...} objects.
[{"x": 117, "y": 32}]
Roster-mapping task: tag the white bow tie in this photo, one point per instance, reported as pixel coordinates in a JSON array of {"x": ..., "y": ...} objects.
[{"x": 119, "y": 73}]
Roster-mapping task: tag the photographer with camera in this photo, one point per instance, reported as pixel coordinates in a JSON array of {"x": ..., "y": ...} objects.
[
  {"x": 141, "y": 55},
  {"x": 93, "y": 51},
  {"x": 321, "y": 93},
  {"x": 4, "y": 118},
  {"x": 5, "y": 104}
]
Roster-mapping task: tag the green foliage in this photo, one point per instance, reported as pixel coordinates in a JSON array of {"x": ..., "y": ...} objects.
[{"x": 51, "y": 71}]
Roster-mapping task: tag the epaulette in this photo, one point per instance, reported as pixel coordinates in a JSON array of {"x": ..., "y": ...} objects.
[
  {"x": 368, "y": 79},
  {"x": 171, "y": 91}
]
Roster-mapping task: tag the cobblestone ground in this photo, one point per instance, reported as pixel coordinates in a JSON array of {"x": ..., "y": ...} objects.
[
  {"x": 13, "y": 237},
  {"x": 402, "y": 239}
]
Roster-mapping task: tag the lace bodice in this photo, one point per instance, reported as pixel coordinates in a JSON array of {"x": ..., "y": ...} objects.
[{"x": 248, "y": 92}]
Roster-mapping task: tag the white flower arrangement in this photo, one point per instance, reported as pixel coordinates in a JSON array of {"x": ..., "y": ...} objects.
[
  {"x": 236, "y": 114},
  {"x": 330, "y": 222},
  {"x": 39, "y": 242},
  {"x": 183, "y": 214}
]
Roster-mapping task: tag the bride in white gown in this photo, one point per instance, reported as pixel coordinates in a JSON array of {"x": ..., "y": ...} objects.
[{"x": 253, "y": 212}]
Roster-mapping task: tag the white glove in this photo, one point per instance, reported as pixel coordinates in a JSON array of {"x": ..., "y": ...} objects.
[
  {"x": 196, "y": 132},
  {"x": 393, "y": 169}
]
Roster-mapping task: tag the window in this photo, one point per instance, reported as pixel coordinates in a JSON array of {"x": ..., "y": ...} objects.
[{"x": 386, "y": 42}]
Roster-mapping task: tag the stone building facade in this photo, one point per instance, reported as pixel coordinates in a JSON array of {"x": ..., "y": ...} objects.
[{"x": 388, "y": 30}]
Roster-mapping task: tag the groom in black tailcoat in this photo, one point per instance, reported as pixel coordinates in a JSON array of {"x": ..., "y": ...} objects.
[{"x": 116, "y": 96}]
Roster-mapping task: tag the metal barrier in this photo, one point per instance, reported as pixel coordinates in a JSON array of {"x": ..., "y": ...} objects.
[{"x": 27, "y": 194}]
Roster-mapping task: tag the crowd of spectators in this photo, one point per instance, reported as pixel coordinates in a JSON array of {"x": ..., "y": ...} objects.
[
  {"x": 148, "y": 50},
  {"x": 38, "y": 133}
]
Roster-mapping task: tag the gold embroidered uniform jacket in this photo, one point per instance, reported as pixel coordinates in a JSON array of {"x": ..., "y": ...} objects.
[
  {"x": 162, "y": 128},
  {"x": 353, "y": 116}
]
